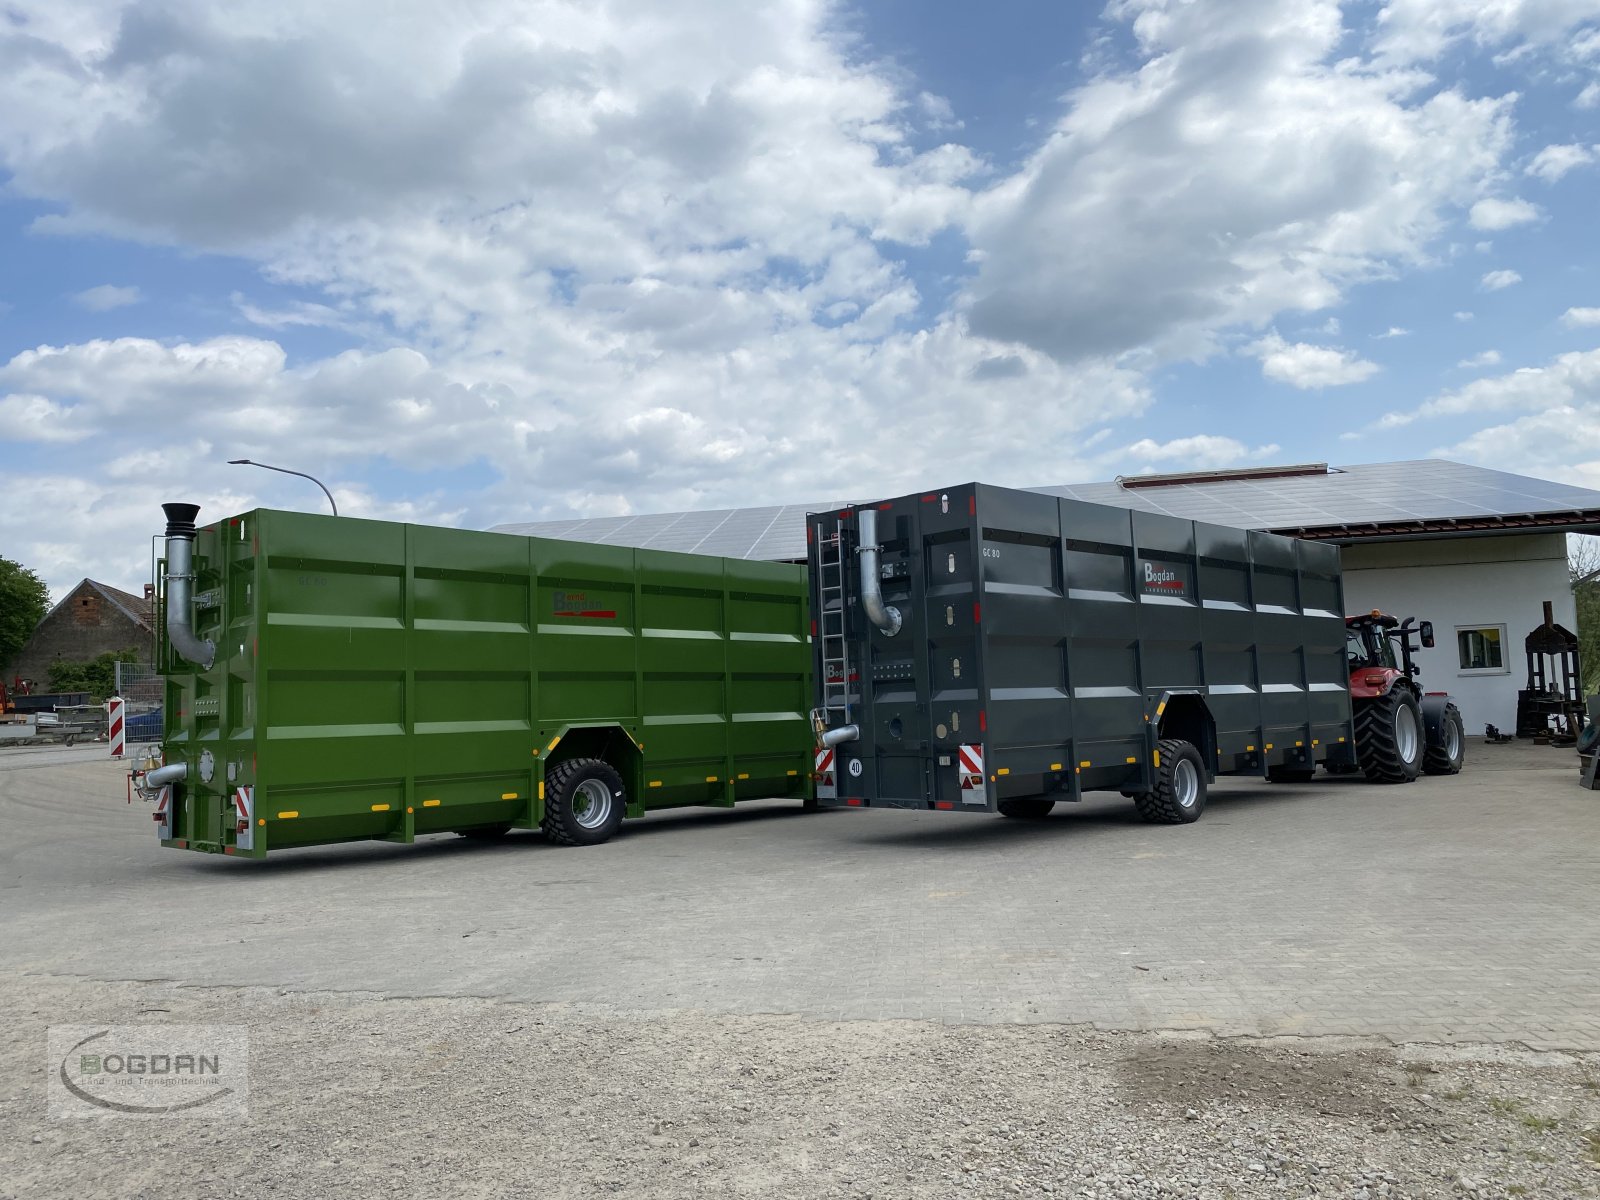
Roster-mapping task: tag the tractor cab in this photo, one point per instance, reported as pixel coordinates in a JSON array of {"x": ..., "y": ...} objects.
[{"x": 1371, "y": 640}]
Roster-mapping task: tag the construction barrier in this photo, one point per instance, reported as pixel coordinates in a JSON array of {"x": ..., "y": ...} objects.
[{"x": 116, "y": 713}]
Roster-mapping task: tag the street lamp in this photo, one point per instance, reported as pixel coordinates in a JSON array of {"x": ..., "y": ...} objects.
[{"x": 245, "y": 462}]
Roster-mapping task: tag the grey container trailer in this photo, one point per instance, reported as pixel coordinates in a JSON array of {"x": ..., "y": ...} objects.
[{"x": 1049, "y": 647}]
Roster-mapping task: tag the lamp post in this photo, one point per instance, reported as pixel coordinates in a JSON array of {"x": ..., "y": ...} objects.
[{"x": 245, "y": 462}]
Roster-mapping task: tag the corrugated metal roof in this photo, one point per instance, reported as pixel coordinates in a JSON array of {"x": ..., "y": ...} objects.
[{"x": 1427, "y": 497}]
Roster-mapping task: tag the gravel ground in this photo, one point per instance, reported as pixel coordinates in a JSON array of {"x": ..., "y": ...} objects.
[{"x": 357, "y": 1096}]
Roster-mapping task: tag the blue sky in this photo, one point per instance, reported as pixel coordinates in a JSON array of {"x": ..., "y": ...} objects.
[{"x": 536, "y": 258}]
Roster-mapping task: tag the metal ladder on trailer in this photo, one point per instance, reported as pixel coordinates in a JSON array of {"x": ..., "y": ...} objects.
[{"x": 831, "y": 625}]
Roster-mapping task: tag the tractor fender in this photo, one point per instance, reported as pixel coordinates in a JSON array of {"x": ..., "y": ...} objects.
[{"x": 1433, "y": 706}]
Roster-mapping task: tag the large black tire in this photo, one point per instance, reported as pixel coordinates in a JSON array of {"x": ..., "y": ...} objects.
[
  {"x": 1291, "y": 774},
  {"x": 584, "y": 802},
  {"x": 1180, "y": 792},
  {"x": 1027, "y": 808},
  {"x": 1389, "y": 737},
  {"x": 1445, "y": 755}
]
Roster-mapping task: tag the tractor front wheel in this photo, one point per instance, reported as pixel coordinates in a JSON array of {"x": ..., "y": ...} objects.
[
  {"x": 1389, "y": 740},
  {"x": 1444, "y": 756}
]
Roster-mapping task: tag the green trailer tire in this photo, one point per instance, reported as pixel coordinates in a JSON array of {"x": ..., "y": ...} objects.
[{"x": 584, "y": 802}]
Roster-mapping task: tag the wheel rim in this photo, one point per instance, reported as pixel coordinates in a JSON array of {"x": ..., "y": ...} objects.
[
  {"x": 1452, "y": 740},
  {"x": 1185, "y": 783},
  {"x": 591, "y": 805},
  {"x": 1405, "y": 733}
]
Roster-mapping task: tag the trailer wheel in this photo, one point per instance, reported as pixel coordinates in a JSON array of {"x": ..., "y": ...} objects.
[
  {"x": 1179, "y": 795},
  {"x": 1389, "y": 738},
  {"x": 584, "y": 802},
  {"x": 1028, "y": 808},
  {"x": 1444, "y": 757}
]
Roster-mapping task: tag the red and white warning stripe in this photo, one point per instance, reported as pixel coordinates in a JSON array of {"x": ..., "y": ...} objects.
[
  {"x": 826, "y": 787},
  {"x": 969, "y": 761},
  {"x": 116, "y": 726},
  {"x": 163, "y": 813},
  {"x": 244, "y": 807}
]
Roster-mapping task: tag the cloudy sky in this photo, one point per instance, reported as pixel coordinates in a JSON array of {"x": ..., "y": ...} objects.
[{"x": 493, "y": 260}]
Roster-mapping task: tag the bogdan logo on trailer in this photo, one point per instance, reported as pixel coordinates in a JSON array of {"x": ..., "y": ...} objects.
[
  {"x": 1160, "y": 579},
  {"x": 578, "y": 604}
]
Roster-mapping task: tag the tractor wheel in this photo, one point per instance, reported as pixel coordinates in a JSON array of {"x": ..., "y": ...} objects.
[
  {"x": 584, "y": 802},
  {"x": 1179, "y": 795},
  {"x": 1291, "y": 774},
  {"x": 1443, "y": 757},
  {"x": 1389, "y": 741},
  {"x": 1028, "y": 808}
]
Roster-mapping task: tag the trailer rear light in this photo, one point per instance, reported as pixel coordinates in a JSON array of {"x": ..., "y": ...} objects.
[
  {"x": 854, "y": 802},
  {"x": 944, "y": 804},
  {"x": 983, "y": 721}
]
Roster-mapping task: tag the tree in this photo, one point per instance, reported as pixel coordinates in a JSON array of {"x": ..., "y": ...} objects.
[
  {"x": 24, "y": 600},
  {"x": 98, "y": 676},
  {"x": 1583, "y": 566}
]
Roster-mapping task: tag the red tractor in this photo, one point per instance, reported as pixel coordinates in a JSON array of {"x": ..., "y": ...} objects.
[{"x": 1401, "y": 731}]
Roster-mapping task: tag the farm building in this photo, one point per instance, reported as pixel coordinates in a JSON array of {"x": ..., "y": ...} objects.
[
  {"x": 92, "y": 619},
  {"x": 1476, "y": 551}
]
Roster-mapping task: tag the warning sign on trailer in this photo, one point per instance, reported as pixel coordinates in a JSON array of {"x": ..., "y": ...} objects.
[
  {"x": 826, "y": 790},
  {"x": 969, "y": 761}
]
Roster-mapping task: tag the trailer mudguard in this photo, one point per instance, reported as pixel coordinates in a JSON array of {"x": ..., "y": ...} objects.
[{"x": 1433, "y": 706}]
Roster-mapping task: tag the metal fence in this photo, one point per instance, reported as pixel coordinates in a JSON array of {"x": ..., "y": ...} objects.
[{"x": 140, "y": 685}]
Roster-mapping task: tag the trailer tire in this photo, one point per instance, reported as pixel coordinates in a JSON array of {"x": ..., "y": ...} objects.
[
  {"x": 1389, "y": 737},
  {"x": 584, "y": 802},
  {"x": 1027, "y": 808},
  {"x": 1179, "y": 795},
  {"x": 1444, "y": 757}
]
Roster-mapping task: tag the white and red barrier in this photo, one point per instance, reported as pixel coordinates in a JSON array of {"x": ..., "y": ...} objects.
[{"x": 117, "y": 725}]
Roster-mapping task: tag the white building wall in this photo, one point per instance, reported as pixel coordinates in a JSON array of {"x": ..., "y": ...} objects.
[{"x": 1467, "y": 583}]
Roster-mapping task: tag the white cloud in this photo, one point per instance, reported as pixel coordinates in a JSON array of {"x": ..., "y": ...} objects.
[
  {"x": 1589, "y": 97},
  {"x": 107, "y": 296},
  {"x": 1486, "y": 358},
  {"x": 1182, "y": 197},
  {"x": 1495, "y": 214},
  {"x": 1577, "y": 318},
  {"x": 1394, "y": 331},
  {"x": 32, "y": 418},
  {"x": 1421, "y": 30},
  {"x": 1494, "y": 281},
  {"x": 1305, "y": 366},
  {"x": 1199, "y": 452},
  {"x": 1464, "y": 316},
  {"x": 1553, "y": 162}
]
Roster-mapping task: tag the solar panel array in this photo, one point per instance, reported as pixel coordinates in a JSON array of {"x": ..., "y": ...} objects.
[{"x": 1373, "y": 493}]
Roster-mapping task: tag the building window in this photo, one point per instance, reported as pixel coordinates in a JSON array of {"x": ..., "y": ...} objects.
[{"x": 1482, "y": 648}]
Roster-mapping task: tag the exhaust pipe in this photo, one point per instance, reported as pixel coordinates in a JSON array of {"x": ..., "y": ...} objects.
[
  {"x": 886, "y": 617},
  {"x": 839, "y": 736},
  {"x": 180, "y": 586}
]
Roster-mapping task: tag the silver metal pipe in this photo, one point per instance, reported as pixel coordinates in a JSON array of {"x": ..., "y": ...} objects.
[
  {"x": 886, "y": 617},
  {"x": 841, "y": 735},
  {"x": 171, "y": 773},
  {"x": 180, "y": 586}
]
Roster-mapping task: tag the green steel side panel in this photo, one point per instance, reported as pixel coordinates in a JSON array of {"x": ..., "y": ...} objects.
[{"x": 378, "y": 680}]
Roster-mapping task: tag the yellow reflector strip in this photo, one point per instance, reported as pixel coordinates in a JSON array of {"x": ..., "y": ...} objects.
[
  {"x": 1314, "y": 742},
  {"x": 541, "y": 789},
  {"x": 655, "y": 783},
  {"x": 380, "y": 808},
  {"x": 1268, "y": 746},
  {"x": 744, "y": 777},
  {"x": 1157, "y": 757},
  {"x": 1250, "y": 749},
  {"x": 1132, "y": 759},
  {"x": 1341, "y": 739},
  {"x": 1299, "y": 743},
  {"x": 508, "y": 795},
  {"x": 1085, "y": 763},
  {"x": 1003, "y": 771},
  {"x": 553, "y": 742},
  {"x": 711, "y": 778},
  {"x": 794, "y": 772},
  {"x": 430, "y": 804},
  {"x": 1055, "y": 766},
  {"x": 287, "y": 816}
]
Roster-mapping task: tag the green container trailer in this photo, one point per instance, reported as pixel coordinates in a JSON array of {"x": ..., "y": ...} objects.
[{"x": 332, "y": 679}]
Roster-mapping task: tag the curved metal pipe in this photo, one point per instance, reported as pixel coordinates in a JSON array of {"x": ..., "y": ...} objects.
[
  {"x": 841, "y": 735},
  {"x": 180, "y": 586},
  {"x": 171, "y": 773},
  {"x": 886, "y": 617}
]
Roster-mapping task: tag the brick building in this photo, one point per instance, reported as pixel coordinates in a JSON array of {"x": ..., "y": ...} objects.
[{"x": 92, "y": 619}]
